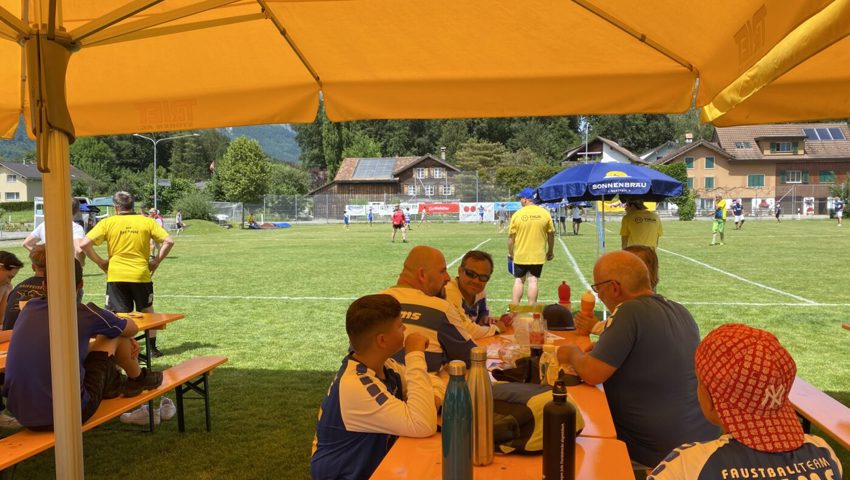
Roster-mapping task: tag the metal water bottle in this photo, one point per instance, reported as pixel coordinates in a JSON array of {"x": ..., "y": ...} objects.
[
  {"x": 559, "y": 436},
  {"x": 481, "y": 393},
  {"x": 457, "y": 426}
]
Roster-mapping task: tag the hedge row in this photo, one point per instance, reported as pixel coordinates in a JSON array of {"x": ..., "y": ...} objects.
[{"x": 17, "y": 206}]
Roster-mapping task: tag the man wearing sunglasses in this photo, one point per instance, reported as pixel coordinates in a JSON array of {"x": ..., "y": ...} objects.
[
  {"x": 467, "y": 294},
  {"x": 645, "y": 359}
]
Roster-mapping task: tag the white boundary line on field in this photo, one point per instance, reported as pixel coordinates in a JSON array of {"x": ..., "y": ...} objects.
[
  {"x": 542, "y": 300},
  {"x": 574, "y": 263},
  {"x": 724, "y": 272},
  {"x": 460, "y": 257}
]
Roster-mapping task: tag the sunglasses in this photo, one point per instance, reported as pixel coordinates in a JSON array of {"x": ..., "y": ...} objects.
[
  {"x": 9, "y": 267},
  {"x": 469, "y": 273}
]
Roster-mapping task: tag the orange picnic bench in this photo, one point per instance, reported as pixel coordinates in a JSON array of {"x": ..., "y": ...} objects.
[
  {"x": 189, "y": 376},
  {"x": 817, "y": 408}
]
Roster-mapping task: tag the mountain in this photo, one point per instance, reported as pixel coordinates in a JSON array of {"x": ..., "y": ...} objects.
[
  {"x": 18, "y": 146},
  {"x": 278, "y": 141}
]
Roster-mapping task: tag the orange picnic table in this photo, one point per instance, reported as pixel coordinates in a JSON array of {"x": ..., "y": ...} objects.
[
  {"x": 421, "y": 458},
  {"x": 145, "y": 322}
]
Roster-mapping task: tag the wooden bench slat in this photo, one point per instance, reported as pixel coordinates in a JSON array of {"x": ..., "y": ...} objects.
[
  {"x": 27, "y": 443},
  {"x": 823, "y": 411}
]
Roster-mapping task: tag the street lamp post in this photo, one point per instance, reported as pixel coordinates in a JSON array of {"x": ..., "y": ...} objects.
[{"x": 155, "y": 142}]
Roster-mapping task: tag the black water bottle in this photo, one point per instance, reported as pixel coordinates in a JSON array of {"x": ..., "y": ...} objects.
[{"x": 559, "y": 436}]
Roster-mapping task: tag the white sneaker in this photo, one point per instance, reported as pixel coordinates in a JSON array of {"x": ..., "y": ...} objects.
[
  {"x": 7, "y": 421},
  {"x": 140, "y": 416},
  {"x": 167, "y": 409}
]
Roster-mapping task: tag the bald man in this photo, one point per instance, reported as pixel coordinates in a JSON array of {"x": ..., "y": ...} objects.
[
  {"x": 645, "y": 359},
  {"x": 421, "y": 281}
]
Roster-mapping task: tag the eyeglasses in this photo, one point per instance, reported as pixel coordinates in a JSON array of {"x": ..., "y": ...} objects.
[
  {"x": 9, "y": 267},
  {"x": 469, "y": 273},
  {"x": 595, "y": 286}
]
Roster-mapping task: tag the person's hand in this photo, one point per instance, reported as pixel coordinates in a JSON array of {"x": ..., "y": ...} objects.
[
  {"x": 507, "y": 319},
  {"x": 153, "y": 264},
  {"x": 134, "y": 349},
  {"x": 415, "y": 342},
  {"x": 104, "y": 265},
  {"x": 549, "y": 256},
  {"x": 566, "y": 354},
  {"x": 501, "y": 326},
  {"x": 585, "y": 322}
]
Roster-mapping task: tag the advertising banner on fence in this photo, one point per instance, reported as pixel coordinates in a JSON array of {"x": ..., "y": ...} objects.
[
  {"x": 470, "y": 212},
  {"x": 440, "y": 208},
  {"x": 356, "y": 210}
]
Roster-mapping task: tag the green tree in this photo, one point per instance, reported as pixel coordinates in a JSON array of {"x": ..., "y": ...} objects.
[
  {"x": 332, "y": 145},
  {"x": 638, "y": 133},
  {"x": 515, "y": 178},
  {"x": 841, "y": 190},
  {"x": 168, "y": 196},
  {"x": 482, "y": 156},
  {"x": 194, "y": 204},
  {"x": 309, "y": 139},
  {"x": 288, "y": 180},
  {"x": 685, "y": 201},
  {"x": 191, "y": 157},
  {"x": 689, "y": 122},
  {"x": 244, "y": 171},
  {"x": 361, "y": 145},
  {"x": 94, "y": 157}
]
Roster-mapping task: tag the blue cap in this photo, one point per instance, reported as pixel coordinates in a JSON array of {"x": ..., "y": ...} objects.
[{"x": 526, "y": 192}]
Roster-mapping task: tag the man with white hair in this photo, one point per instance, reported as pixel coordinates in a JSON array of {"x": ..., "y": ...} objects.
[{"x": 645, "y": 359}]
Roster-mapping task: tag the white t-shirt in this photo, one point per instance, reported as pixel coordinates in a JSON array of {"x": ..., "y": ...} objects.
[{"x": 77, "y": 232}]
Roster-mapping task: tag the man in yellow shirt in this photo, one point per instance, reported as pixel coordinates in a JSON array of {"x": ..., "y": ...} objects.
[
  {"x": 128, "y": 269},
  {"x": 531, "y": 238},
  {"x": 640, "y": 226},
  {"x": 719, "y": 225}
]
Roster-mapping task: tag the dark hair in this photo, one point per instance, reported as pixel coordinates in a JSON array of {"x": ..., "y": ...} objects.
[
  {"x": 78, "y": 273},
  {"x": 38, "y": 256},
  {"x": 9, "y": 261},
  {"x": 75, "y": 206},
  {"x": 123, "y": 201},
  {"x": 477, "y": 255},
  {"x": 650, "y": 259},
  {"x": 369, "y": 314}
]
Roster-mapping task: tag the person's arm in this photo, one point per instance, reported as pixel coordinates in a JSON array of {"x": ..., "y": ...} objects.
[
  {"x": 510, "y": 245},
  {"x": 585, "y": 323},
  {"x": 167, "y": 243},
  {"x": 593, "y": 371},
  {"x": 30, "y": 242},
  {"x": 550, "y": 238},
  {"x": 383, "y": 412},
  {"x": 87, "y": 246}
]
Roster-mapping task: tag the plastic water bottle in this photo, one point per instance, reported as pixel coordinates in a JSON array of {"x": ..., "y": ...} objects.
[
  {"x": 537, "y": 331},
  {"x": 564, "y": 294},
  {"x": 559, "y": 436},
  {"x": 549, "y": 368},
  {"x": 457, "y": 425},
  {"x": 481, "y": 394},
  {"x": 588, "y": 302},
  {"x": 510, "y": 264}
]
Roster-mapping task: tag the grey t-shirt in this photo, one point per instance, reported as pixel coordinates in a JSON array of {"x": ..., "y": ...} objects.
[{"x": 653, "y": 393}]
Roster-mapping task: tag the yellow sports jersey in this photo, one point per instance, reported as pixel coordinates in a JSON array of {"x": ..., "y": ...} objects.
[
  {"x": 128, "y": 239},
  {"x": 641, "y": 227},
  {"x": 720, "y": 210},
  {"x": 530, "y": 228}
]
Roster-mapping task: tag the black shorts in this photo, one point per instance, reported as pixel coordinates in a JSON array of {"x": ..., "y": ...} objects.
[
  {"x": 576, "y": 220},
  {"x": 521, "y": 270},
  {"x": 121, "y": 296},
  {"x": 100, "y": 373},
  {"x": 398, "y": 227}
]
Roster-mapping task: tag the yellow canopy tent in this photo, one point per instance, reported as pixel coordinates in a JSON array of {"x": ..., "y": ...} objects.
[{"x": 83, "y": 67}]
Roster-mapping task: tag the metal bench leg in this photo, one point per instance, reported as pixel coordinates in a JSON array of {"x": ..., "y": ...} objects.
[
  {"x": 181, "y": 426},
  {"x": 150, "y": 416},
  {"x": 207, "y": 401}
]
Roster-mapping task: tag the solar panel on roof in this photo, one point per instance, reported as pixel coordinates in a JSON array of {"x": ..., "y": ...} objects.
[
  {"x": 374, "y": 168},
  {"x": 823, "y": 133},
  {"x": 810, "y": 134},
  {"x": 837, "y": 134}
]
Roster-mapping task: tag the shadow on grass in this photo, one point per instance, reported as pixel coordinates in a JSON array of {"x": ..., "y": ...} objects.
[
  {"x": 187, "y": 346},
  {"x": 263, "y": 423}
]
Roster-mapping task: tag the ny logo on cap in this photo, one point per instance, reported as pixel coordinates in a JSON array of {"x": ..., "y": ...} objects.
[{"x": 773, "y": 396}]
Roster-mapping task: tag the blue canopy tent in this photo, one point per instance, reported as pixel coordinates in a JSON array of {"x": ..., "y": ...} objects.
[{"x": 604, "y": 181}]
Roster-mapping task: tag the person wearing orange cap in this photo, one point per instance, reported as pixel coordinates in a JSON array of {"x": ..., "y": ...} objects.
[{"x": 744, "y": 378}]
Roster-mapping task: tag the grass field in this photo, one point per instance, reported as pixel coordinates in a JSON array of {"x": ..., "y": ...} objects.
[{"x": 274, "y": 302}]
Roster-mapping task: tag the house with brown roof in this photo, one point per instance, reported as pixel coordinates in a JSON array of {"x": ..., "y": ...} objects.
[
  {"x": 386, "y": 180},
  {"x": 21, "y": 182},
  {"x": 601, "y": 150},
  {"x": 794, "y": 164}
]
